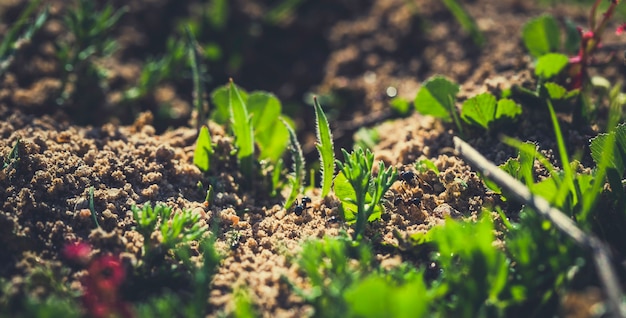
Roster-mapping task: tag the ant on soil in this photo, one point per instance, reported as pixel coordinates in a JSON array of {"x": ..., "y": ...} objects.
[
  {"x": 302, "y": 206},
  {"x": 409, "y": 178}
]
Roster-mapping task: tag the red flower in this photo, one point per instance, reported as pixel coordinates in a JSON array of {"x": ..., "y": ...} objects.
[
  {"x": 101, "y": 298},
  {"x": 78, "y": 252},
  {"x": 620, "y": 29}
]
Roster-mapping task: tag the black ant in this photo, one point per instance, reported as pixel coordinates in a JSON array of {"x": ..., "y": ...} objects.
[
  {"x": 302, "y": 206},
  {"x": 400, "y": 200},
  {"x": 407, "y": 176}
]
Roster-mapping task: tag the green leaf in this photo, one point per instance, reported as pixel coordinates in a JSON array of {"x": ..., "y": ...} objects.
[
  {"x": 541, "y": 35},
  {"x": 221, "y": 111},
  {"x": 555, "y": 91},
  {"x": 325, "y": 148},
  {"x": 479, "y": 110},
  {"x": 400, "y": 105},
  {"x": 270, "y": 136},
  {"x": 436, "y": 98},
  {"x": 242, "y": 129},
  {"x": 297, "y": 177},
  {"x": 507, "y": 108},
  {"x": 346, "y": 194},
  {"x": 204, "y": 149},
  {"x": 572, "y": 37},
  {"x": 466, "y": 21},
  {"x": 550, "y": 65},
  {"x": 618, "y": 159}
]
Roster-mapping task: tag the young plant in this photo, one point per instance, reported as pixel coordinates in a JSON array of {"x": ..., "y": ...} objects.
[
  {"x": 325, "y": 148},
  {"x": 198, "y": 91},
  {"x": 357, "y": 170},
  {"x": 242, "y": 129},
  {"x": 12, "y": 42},
  {"x": 13, "y": 157},
  {"x": 92, "y": 40},
  {"x": 204, "y": 150},
  {"x": 92, "y": 209},
  {"x": 297, "y": 178}
]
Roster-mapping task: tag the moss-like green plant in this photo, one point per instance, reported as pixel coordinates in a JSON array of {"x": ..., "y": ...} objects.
[
  {"x": 357, "y": 168},
  {"x": 325, "y": 148}
]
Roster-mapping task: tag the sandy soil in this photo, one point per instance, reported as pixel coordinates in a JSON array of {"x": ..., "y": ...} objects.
[{"x": 356, "y": 51}]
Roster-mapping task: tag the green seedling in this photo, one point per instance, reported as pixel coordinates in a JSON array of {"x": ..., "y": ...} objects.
[
  {"x": 296, "y": 179},
  {"x": 204, "y": 150},
  {"x": 325, "y": 148},
  {"x": 92, "y": 209},
  {"x": 467, "y": 22},
  {"x": 242, "y": 129},
  {"x": 541, "y": 35},
  {"x": 436, "y": 98},
  {"x": 13, "y": 157},
  {"x": 424, "y": 165},
  {"x": 12, "y": 41},
  {"x": 91, "y": 30},
  {"x": 357, "y": 169},
  {"x": 482, "y": 110},
  {"x": 198, "y": 88}
]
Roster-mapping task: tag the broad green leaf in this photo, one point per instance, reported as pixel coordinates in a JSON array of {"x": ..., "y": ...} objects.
[
  {"x": 436, "y": 98},
  {"x": 479, "y": 110},
  {"x": 325, "y": 148},
  {"x": 221, "y": 111},
  {"x": 265, "y": 109},
  {"x": 550, "y": 65},
  {"x": 297, "y": 177},
  {"x": 507, "y": 108},
  {"x": 541, "y": 35},
  {"x": 273, "y": 142},
  {"x": 242, "y": 129},
  {"x": 344, "y": 191},
  {"x": 204, "y": 149},
  {"x": 618, "y": 159},
  {"x": 424, "y": 165},
  {"x": 555, "y": 91}
]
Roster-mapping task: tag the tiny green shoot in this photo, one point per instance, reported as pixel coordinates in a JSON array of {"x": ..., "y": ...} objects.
[
  {"x": 198, "y": 91},
  {"x": 297, "y": 177},
  {"x": 92, "y": 209},
  {"x": 13, "y": 157},
  {"x": 325, "y": 148},
  {"x": 11, "y": 42}
]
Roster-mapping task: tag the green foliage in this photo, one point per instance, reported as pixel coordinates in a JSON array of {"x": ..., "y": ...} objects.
[
  {"x": 204, "y": 150},
  {"x": 436, "y": 98},
  {"x": 377, "y": 296},
  {"x": 328, "y": 267},
  {"x": 550, "y": 65},
  {"x": 424, "y": 165},
  {"x": 357, "y": 168},
  {"x": 175, "y": 228},
  {"x": 345, "y": 192},
  {"x": 296, "y": 179},
  {"x": 242, "y": 129},
  {"x": 366, "y": 138},
  {"x": 198, "y": 89},
  {"x": 466, "y": 21},
  {"x": 400, "y": 106},
  {"x": 476, "y": 271},
  {"x": 541, "y": 35},
  {"x": 270, "y": 135},
  {"x": 325, "y": 148},
  {"x": 13, "y": 157},
  {"x": 91, "y": 30},
  {"x": 482, "y": 110},
  {"x": 12, "y": 41}
]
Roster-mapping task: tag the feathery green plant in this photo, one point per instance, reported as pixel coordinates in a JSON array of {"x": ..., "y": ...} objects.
[
  {"x": 357, "y": 168},
  {"x": 325, "y": 147}
]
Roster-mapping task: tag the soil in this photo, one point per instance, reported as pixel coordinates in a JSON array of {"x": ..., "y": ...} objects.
[{"x": 350, "y": 50}]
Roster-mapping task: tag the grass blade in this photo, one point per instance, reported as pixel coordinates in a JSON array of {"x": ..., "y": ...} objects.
[
  {"x": 298, "y": 166},
  {"x": 242, "y": 128},
  {"x": 198, "y": 92},
  {"x": 324, "y": 147}
]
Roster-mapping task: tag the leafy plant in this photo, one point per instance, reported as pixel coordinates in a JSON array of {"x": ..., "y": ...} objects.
[
  {"x": 91, "y": 30},
  {"x": 242, "y": 129},
  {"x": 12, "y": 41},
  {"x": 296, "y": 179},
  {"x": 12, "y": 157},
  {"x": 482, "y": 110},
  {"x": 175, "y": 228},
  {"x": 204, "y": 149},
  {"x": 325, "y": 148},
  {"x": 357, "y": 169}
]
